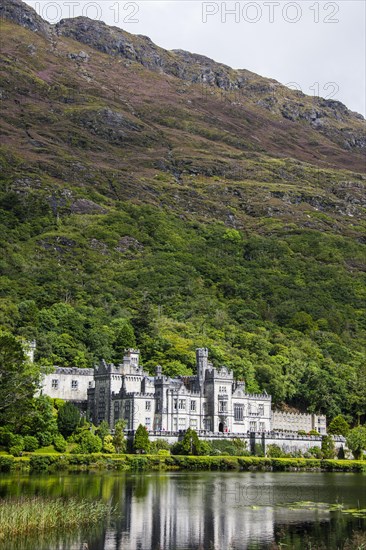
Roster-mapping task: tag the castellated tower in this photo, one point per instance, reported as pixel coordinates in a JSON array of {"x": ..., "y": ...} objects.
[{"x": 201, "y": 364}]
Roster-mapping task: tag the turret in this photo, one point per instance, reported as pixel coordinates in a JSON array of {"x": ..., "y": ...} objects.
[{"x": 201, "y": 363}]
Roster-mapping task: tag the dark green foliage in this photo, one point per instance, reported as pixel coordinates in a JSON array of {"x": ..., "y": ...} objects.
[
  {"x": 339, "y": 426},
  {"x": 328, "y": 447},
  {"x": 356, "y": 441},
  {"x": 68, "y": 419},
  {"x": 103, "y": 429},
  {"x": 141, "y": 443},
  {"x": 87, "y": 443},
  {"x": 119, "y": 441},
  {"x": 18, "y": 379},
  {"x": 40, "y": 420},
  {"x": 59, "y": 443},
  {"x": 189, "y": 445},
  {"x": 274, "y": 451},
  {"x": 30, "y": 443}
]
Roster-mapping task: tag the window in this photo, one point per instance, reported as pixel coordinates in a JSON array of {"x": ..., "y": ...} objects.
[
  {"x": 262, "y": 426},
  {"x": 54, "y": 383},
  {"x": 175, "y": 404},
  {"x": 147, "y": 405},
  {"x": 222, "y": 389},
  {"x": 238, "y": 412},
  {"x": 253, "y": 426},
  {"x": 261, "y": 410},
  {"x": 182, "y": 423},
  {"x": 193, "y": 405},
  {"x": 182, "y": 404},
  {"x": 147, "y": 422},
  {"x": 158, "y": 405},
  {"x": 193, "y": 423},
  {"x": 74, "y": 384},
  {"x": 222, "y": 407},
  {"x": 90, "y": 384}
]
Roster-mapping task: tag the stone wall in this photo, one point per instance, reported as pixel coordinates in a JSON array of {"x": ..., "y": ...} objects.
[{"x": 289, "y": 443}]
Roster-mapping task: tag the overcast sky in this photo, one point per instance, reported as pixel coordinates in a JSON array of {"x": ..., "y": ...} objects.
[{"x": 316, "y": 46}]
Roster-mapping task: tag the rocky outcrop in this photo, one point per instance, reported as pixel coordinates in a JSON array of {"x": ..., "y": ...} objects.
[{"x": 22, "y": 14}]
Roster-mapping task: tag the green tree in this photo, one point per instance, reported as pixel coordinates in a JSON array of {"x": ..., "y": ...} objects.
[
  {"x": 119, "y": 441},
  {"x": 141, "y": 443},
  {"x": 356, "y": 441},
  {"x": 19, "y": 379},
  {"x": 190, "y": 444},
  {"x": 103, "y": 429},
  {"x": 68, "y": 419},
  {"x": 339, "y": 426},
  {"x": 124, "y": 338},
  {"x": 328, "y": 447}
]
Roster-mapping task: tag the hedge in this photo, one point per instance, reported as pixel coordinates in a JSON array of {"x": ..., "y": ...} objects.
[{"x": 139, "y": 463}]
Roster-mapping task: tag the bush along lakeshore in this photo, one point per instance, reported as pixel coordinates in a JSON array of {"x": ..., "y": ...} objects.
[{"x": 99, "y": 461}]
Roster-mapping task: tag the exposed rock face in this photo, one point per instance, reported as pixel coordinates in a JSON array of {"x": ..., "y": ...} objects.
[
  {"x": 22, "y": 14},
  {"x": 85, "y": 206}
]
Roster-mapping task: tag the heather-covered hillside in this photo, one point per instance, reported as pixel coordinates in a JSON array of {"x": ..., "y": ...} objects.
[{"x": 162, "y": 200}]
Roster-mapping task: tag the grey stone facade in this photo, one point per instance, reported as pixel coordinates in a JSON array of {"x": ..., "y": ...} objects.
[
  {"x": 210, "y": 401},
  {"x": 69, "y": 384}
]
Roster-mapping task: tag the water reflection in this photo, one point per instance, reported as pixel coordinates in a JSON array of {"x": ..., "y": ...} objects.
[{"x": 180, "y": 511}]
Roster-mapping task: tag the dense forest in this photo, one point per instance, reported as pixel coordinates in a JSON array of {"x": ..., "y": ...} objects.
[{"x": 164, "y": 225}]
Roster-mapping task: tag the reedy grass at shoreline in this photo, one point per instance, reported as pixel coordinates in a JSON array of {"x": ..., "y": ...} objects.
[{"x": 30, "y": 515}]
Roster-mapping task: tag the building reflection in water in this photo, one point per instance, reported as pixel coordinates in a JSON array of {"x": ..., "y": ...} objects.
[{"x": 188, "y": 512}]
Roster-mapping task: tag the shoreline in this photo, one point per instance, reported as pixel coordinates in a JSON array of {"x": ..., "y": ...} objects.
[{"x": 39, "y": 463}]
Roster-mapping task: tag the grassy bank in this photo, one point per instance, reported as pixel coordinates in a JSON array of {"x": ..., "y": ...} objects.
[
  {"x": 99, "y": 461},
  {"x": 28, "y": 516}
]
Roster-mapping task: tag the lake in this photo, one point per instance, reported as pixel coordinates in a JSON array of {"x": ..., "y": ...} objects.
[{"x": 205, "y": 510}]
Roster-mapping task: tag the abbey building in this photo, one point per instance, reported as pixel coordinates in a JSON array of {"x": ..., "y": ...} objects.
[{"x": 209, "y": 401}]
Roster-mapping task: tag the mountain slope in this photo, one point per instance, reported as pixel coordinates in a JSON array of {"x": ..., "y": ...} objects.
[{"x": 164, "y": 195}]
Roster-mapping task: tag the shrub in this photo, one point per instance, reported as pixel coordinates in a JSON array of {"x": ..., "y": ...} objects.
[
  {"x": 313, "y": 432},
  {"x": 6, "y": 463},
  {"x": 5, "y": 435},
  {"x": 30, "y": 443},
  {"x": 163, "y": 452},
  {"x": 16, "y": 450},
  {"x": 108, "y": 446},
  {"x": 258, "y": 450},
  {"x": 45, "y": 438},
  {"x": 328, "y": 447},
  {"x": 274, "y": 451},
  {"x": 17, "y": 441},
  {"x": 315, "y": 452},
  {"x": 87, "y": 443},
  {"x": 160, "y": 444},
  {"x": 59, "y": 443}
]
